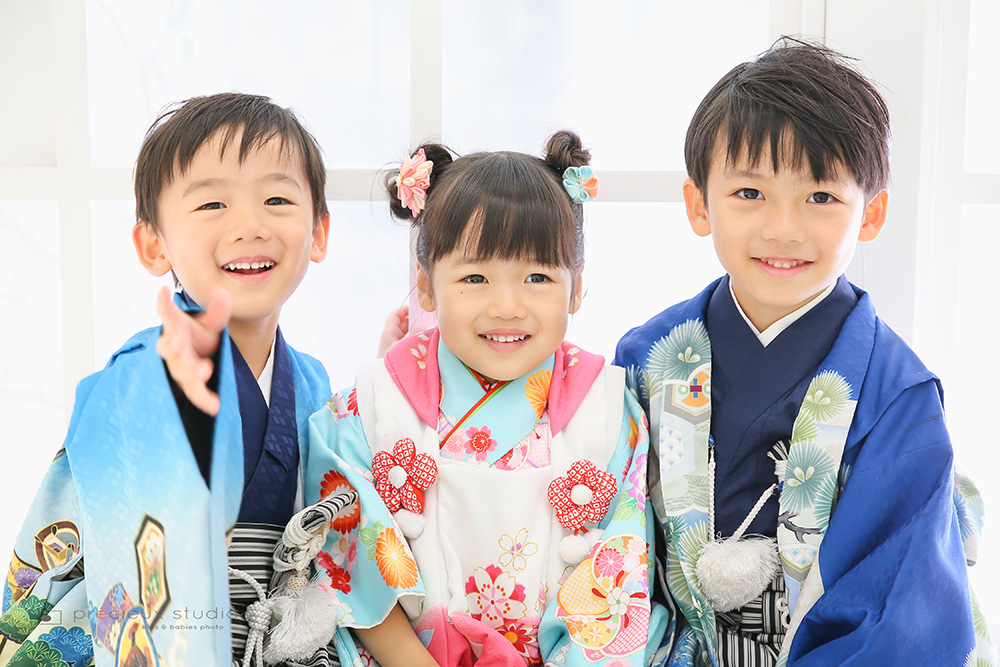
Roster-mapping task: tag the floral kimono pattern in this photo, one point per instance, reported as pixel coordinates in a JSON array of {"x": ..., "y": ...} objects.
[{"x": 508, "y": 519}]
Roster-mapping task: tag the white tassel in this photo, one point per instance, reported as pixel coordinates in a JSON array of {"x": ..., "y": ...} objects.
[
  {"x": 573, "y": 549},
  {"x": 733, "y": 572},
  {"x": 411, "y": 523},
  {"x": 305, "y": 623}
]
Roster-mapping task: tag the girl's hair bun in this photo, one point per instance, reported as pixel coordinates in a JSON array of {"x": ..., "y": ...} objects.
[
  {"x": 440, "y": 155},
  {"x": 564, "y": 150}
]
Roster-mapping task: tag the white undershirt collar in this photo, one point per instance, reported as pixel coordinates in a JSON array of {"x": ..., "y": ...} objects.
[
  {"x": 264, "y": 381},
  {"x": 767, "y": 335}
]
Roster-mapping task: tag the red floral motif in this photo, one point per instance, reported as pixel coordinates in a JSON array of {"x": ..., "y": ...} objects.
[
  {"x": 352, "y": 402},
  {"x": 340, "y": 578},
  {"x": 349, "y": 517},
  {"x": 402, "y": 477},
  {"x": 583, "y": 494}
]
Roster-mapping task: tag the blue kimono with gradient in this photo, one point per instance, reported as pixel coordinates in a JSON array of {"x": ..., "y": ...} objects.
[{"x": 123, "y": 554}]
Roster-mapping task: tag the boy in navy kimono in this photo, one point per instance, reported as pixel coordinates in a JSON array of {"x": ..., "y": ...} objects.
[
  {"x": 782, "y": 407},
  {"x": 123, "y": 556}
]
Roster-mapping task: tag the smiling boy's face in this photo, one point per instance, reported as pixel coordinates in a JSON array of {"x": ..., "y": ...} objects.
[
  {"x": 247, "y": 227},
  {"x": 782, "y": 237}
]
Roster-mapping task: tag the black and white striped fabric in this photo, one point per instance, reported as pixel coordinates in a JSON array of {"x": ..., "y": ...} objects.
[
  {"x": 251, "y": 550},
  {"x": 751, "y": 636}
]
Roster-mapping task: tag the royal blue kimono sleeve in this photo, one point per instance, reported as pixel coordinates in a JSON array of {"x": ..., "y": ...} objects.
[{"x": 894, "y": 573}]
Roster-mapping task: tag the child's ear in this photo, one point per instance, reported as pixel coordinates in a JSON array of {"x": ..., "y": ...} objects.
[
  {"x": 694, "y": 202},
  {"x": 149, "y": 248},
  {"x": 874, "y": 220},
  {"x": 321, "y": 236},
  {"x": 576, "y": 298},
  {"x": 424, "y": 296}
]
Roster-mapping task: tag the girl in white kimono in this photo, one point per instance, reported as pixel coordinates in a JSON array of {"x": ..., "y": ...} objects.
[{"x": 501, "y": 515}]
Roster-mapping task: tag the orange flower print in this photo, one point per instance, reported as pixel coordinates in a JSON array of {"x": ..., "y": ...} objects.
[
  {"x": 536, "y": 390},
  {"x": 396, "y": 565},
  {"x": 633, "y": 432},
  {"x": 349, "y": 517}
]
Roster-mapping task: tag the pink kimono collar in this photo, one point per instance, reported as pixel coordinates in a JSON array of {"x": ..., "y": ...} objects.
[{"x": 412, "y": 364}]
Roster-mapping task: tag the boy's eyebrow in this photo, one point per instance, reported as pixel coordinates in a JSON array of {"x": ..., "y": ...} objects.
[{"x": 273, "y": 177}]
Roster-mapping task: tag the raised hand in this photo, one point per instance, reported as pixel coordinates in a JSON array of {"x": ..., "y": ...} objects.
[{"x": 188, "y": 342}]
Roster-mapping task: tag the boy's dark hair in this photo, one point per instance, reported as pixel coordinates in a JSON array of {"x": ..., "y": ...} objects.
[
  {"x": 805, "y": 102},
  {"x": 516, "y": 202},
  {"x": 176, "y": 136}
]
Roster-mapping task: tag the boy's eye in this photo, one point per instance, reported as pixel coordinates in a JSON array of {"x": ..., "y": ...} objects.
[
  {"x": 821, "y": 198},
  {"x": 475, "y": 279},
  {"x": 211, "y": 206},
  {"x": 276, "y": 201},
  {"x": 537, "y": 278},
  {"x": 749, "y": 193}
]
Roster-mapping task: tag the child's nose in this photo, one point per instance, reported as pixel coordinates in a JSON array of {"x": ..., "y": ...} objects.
[
  {"x": 506, "y": 303},
  {"x": 248, "y": 224},
  {"x": 784, "y": 226}
]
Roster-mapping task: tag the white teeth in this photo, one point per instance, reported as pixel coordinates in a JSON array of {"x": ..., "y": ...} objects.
[
  {"x": 247, "y": 266},
  {"x": 504, "y": 339},
  {"x": 782, "y": 265}
]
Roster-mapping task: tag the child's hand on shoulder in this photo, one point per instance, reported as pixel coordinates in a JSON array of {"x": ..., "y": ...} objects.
[
  {"x": 188, "y": 342},
  {"x": 397, "y": 325}
]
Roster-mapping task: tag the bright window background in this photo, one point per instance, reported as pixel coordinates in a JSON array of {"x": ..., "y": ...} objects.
[
  {"x": 982, "y": 142},
  {"x": 613, "y": 71},
  {"x": 970, "y": 404},
  {"x": 343, "y": 66}
]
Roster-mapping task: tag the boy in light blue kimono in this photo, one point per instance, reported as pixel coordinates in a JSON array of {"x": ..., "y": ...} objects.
[
  {"x": 781, "y": 406},
  {"x": 123, "y": 556}
]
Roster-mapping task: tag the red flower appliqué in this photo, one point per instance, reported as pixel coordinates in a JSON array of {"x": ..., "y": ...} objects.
[
  {"x": 583, "y": 494},
  {"x": 402, "y": 477},
  {"x": 340, "y": 578}
]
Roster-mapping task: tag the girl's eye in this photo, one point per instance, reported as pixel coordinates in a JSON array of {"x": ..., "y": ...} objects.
[
  {"x": 276, "y": 201},
  {"x": 821, "y": 198},
  {"x": 211, "y": 206},
  {"x": 474, "y": 279},
  {"x": 749, "y": 193},
  {"x": 537, "y": 278}
]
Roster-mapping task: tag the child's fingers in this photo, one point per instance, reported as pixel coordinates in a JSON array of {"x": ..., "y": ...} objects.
[
  {"x": 190, "y": 373},
  {"x": 396, "y": 326}
]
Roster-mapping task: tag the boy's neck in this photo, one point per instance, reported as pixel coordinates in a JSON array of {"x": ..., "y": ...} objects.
[{"x": 254, "y": 341}]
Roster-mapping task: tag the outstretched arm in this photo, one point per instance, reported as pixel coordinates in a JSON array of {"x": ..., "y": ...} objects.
[
  {"x": 188, "y": 342},
  {"x": 393, "y": 642}
]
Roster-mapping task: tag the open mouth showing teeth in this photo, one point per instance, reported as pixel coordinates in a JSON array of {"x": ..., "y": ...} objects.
[
  {"x": 778, "y": 264},
  {"x": 504, "y": 339},
  {"x": 248, "y": 268}
]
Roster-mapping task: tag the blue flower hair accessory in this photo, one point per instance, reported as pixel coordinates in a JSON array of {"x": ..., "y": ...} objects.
[{"x": 580, "y": 183}]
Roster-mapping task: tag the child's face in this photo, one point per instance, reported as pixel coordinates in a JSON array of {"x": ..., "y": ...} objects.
[
  {"x": 783, "y": 238},
  {"x": 247, "y": 228},
  {"x": 502, "y": 318}
]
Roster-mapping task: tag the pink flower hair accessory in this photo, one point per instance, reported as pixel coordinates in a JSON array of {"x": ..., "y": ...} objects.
[
  {"x": 402, "y": 476},
  {"x": 583, "y": 494},
  {"x": 413, "y": 180}
]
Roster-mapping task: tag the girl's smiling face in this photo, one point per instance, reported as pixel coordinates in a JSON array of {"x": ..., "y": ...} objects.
[{"x": 501, "y": 317}]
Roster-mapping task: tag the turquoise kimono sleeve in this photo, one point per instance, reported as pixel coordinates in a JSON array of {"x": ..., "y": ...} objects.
[
  {"x": 366, "y": 562},
  {"x": 603, "y": 610},
  {"x": 45, "y": 618}
]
